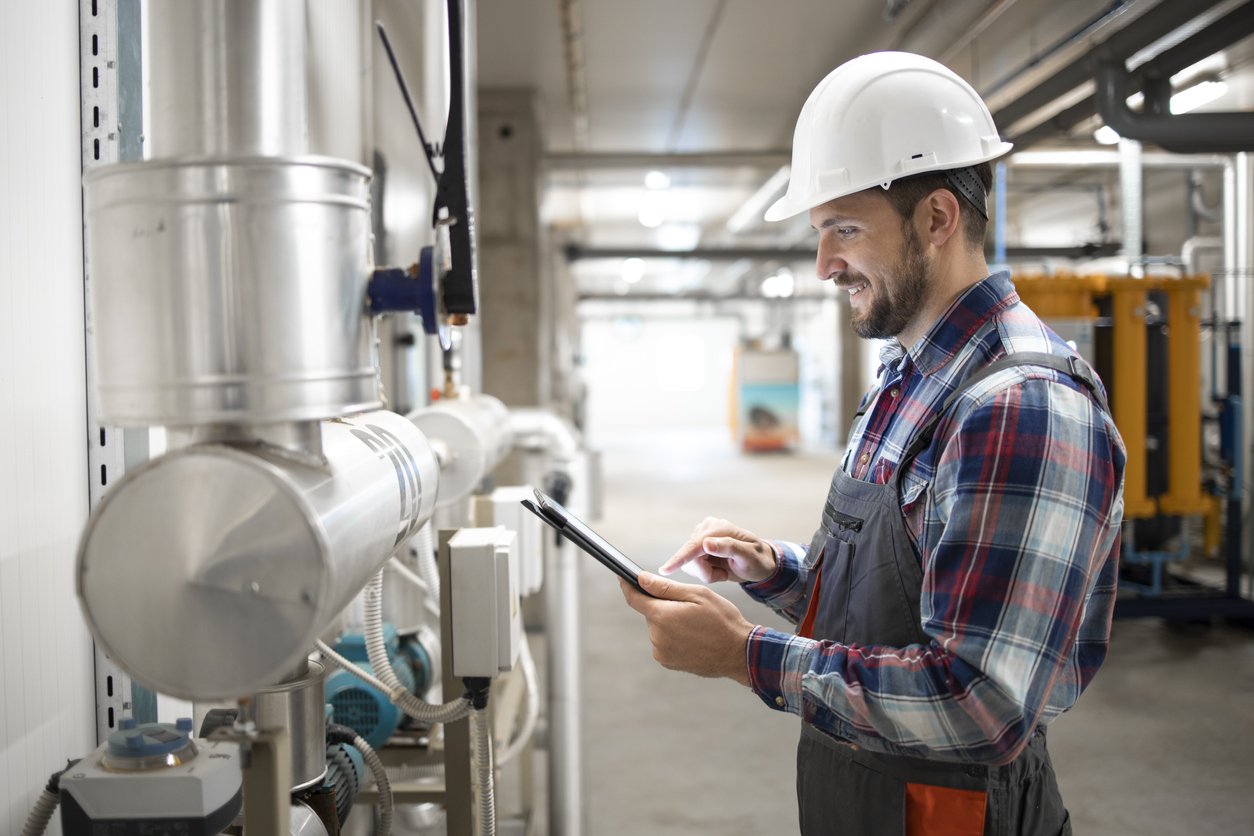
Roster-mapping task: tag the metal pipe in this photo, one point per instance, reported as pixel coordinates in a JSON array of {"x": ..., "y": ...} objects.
[
  {"x": 564, "y": 628},
  {"x": 470, "y": 435},
  {"x": 227, "y": 78},
  {"x": 546, "y": 439},
  {"x": 1160, "y": 20},
  {"x": 1242, "y": 273},
  {"x": 640, "y": 160},
  {"x": 1132, "y": 204},
  {"x": 244, "y": 555},
  {"x": 542, "y": 430},
  {"x": 1190, "y": 132}
]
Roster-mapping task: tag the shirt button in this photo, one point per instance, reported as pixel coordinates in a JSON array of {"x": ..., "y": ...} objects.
[
  {"x": 894, "y": 392},
  {"x": 866, "y": 457},
  {"x": 780, "y": 702}
]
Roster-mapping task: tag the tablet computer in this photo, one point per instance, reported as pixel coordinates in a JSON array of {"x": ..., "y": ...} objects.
[{"x": 575, "y": 530}]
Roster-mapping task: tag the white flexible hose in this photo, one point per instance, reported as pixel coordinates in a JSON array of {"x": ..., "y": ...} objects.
[
  {"x": 396, "y": 692},
  {"x": 424, "y": 544},
  {"x": 483, "y": 773},
  {"x": 456, "y": 709},
  {"x": 533, "y": 706},
  {"x": 41, "y": 814},
  {"x": 381, "y": 783}
]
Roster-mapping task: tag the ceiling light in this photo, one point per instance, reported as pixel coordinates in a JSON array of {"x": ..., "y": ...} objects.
[
  {"x": 1197, "y": 95},
  {"x": 678, "y": 236},
  {"x": 778, "y": 286},
  {"x": 653, "y": 208},
  {"x": 1106, "y": 135},
  {"x": 657, "y": 180},
  {"x": 633, "y": 269}
]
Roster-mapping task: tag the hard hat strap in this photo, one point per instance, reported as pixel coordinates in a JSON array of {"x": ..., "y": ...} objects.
[{"x": 966, "y": 181}]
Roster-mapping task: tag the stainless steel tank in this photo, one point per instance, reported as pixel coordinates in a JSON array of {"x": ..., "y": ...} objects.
[
  {"x": 230, "y": 291},
  {"x": 298, "y": 705},
  {"x": 471, "y": 436},
  {"x": 208, "y": 573}
]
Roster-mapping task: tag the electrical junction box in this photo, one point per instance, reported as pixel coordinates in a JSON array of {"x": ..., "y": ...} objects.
[
  {"x": 507, "y": 510},
  {"x": 483, "y": 596}
]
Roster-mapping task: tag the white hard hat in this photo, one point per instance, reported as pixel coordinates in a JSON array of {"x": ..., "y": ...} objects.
[{"x": 881, "y": 117}]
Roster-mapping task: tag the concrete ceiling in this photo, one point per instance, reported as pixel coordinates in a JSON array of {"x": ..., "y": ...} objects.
[{"x": 764, "y": 58}]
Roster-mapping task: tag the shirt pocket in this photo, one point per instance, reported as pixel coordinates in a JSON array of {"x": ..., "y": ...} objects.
[{"x": 912, "y": 488}]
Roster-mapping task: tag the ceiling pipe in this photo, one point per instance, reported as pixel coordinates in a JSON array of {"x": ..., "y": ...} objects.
[
  {"x": 576, "y": 253},
  {"x": 1158, "y": 22},
  {"x": 1223, "y": 33},
  {"x": 645, "y": 160},
  {"x": 1214, "y": 133}
]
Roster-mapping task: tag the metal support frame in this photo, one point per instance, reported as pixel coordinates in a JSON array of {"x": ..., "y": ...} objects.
[
  {"x": 109, "y": 81},
  {"x": 458, "y": 788}
]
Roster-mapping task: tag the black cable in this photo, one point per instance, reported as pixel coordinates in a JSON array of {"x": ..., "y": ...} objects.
[{"x": 427, "y": 148}]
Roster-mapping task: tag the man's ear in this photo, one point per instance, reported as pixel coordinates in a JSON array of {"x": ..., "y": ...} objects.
[{"x": 942, "y": 217}]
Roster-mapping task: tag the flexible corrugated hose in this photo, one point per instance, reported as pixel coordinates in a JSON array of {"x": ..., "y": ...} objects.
[
  {"x": 41, "y": 814},
  {"x": 483, "y": 772},
  {"x": 396, "y": 692},
  {"x": 424, "y": 545}
]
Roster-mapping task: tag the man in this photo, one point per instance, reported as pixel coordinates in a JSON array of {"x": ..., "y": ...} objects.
[{"x": 957, "y": 595}]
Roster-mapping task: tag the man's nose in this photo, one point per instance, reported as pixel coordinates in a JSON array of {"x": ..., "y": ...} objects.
[{"x": 830, "y": 263}]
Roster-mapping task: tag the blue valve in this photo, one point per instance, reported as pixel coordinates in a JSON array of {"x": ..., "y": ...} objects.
[{"x": 395, "y": 289}]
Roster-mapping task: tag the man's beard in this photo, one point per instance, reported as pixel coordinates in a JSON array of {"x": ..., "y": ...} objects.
[{"x": 894, "y": 305}]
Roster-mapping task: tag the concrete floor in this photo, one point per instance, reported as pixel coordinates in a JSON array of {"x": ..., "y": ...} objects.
[{"x": 1161, "y": 744}]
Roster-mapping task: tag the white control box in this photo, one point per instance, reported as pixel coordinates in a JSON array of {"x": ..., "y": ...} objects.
[
  {"x": 507, "y": 510},
  {"x": 483, "y": 593}
]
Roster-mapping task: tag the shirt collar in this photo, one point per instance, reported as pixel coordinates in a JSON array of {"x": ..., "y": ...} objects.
[{"x": 968, "y": 312}]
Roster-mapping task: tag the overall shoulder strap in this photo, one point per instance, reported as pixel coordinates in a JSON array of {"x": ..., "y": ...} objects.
[{"x": 1070, "y": 365}]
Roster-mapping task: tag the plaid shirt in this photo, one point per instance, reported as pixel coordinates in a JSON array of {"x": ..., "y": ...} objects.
[{"x": 1014, "y": 513}]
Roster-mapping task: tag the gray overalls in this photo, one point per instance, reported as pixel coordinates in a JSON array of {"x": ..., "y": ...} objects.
[{"x": 869, "y": 593}]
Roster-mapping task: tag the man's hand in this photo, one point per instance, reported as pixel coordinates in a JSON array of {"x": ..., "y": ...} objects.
[
  {"x": 719, "y": 551},
  {"x": 692, "y": 628}
]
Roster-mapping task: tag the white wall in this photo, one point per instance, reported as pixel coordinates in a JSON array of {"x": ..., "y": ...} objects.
[
  {"x": 638, "y": 374},
  {"x": 46, "y": 671}
]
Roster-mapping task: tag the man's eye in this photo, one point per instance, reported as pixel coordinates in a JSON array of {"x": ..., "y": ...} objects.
[{"x": 846, "y": 230}]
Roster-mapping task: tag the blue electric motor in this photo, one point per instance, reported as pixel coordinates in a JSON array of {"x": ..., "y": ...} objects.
[{"x": 361, "y": 707}]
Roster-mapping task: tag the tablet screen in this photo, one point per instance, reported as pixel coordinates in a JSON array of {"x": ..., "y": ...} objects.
[{"x": 588, "y": 534}]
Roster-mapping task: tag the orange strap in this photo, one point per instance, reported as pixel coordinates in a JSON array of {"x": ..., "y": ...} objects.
[
  {"x": 812, "y": 611},
  {"x": 941, "y": 811}
]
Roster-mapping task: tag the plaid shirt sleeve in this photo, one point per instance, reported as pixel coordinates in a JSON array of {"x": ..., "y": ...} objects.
[
  {"x": 785, "y": 590},
  {"x": 1018, "y": 591}
]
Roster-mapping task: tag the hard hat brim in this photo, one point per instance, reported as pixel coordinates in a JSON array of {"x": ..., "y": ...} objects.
[{"x": 790, "y": 206}]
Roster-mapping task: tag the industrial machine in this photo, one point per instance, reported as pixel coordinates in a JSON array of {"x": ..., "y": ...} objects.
[{"x": 249, "y": 569}]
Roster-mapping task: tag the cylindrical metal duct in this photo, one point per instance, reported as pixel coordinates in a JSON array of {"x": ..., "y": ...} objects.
[
  {"x": 227, "y": 78},
  {"x": 209, "y": 572},
  {"x": 298, "y": 705},
  {"x": 230, "y": 291},
  {"x": 474, "y": 434},
  {"x": 563, "y": 624}
]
